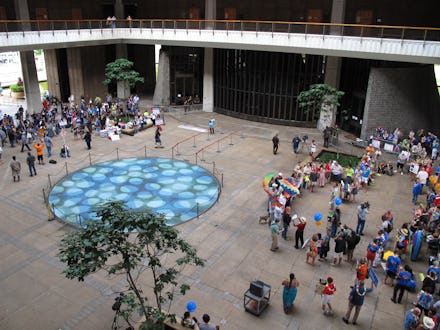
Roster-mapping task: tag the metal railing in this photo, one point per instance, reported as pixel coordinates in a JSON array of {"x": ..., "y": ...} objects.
[
  {"x": 306, "y": 28},
  {"x": 201, "y": 156}
]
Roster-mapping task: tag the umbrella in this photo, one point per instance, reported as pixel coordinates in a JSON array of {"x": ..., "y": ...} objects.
[
  {"x": 289, "y": 187},
  {"x": 267, "y": 178}
]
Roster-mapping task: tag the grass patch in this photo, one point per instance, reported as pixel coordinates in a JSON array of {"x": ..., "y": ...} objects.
[
  {"x": 342, "y": 159},
  {"x": 43, "y": 86}
]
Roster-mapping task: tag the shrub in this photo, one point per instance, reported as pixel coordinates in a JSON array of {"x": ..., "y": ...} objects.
[{"x": 16, "y": 88}]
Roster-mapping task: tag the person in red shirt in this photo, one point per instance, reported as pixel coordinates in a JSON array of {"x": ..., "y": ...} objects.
[
  {"x": 299, "y": 234},
  {"x": 327, "y": 296}
]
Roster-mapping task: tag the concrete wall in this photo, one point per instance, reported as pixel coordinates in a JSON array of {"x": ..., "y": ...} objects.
[
  {"x": 402, "y": 97},
  {"x": 94, "y": 71}
]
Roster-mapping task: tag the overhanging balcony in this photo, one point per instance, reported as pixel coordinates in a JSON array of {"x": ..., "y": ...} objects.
[{"x": 394, "y": 43}]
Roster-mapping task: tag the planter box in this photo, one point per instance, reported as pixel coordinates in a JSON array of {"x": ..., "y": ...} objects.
[{"x": 17, "y": 95}]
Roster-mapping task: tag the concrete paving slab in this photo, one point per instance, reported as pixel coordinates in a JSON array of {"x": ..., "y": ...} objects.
[{"x": 228, "y": 236}]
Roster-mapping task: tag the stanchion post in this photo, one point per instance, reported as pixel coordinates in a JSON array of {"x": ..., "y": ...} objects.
[
  {"x": 67, "y": 170},
  {"x": 230, "y": 143},
  {"x": 194, "y": 141},
  {"x": 218, "y": 146},
  {"x": 197, "y": 206},
  {"x": 117, "y": 153},
  {"x": 222, "y": 180},
  {"x": 50, "y": 182},
  {"x": 145, "y": 151},
  {"x": 90, "y": 159}
]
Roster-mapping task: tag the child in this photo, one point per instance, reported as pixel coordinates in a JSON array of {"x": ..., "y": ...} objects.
[
  {"x": 313, "y": 250},
  {"x": 327, "y": 296}
]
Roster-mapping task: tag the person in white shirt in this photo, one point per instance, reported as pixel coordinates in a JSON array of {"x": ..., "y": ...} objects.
[{"x": 422, "y": 175}]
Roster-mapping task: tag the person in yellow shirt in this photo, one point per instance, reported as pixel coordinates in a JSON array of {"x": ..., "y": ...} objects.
[{"x": 39, "y": 147}]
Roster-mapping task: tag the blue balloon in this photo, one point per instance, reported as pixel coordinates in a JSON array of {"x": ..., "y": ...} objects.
[
  {"x": 338, "y": 201},
  {"x": 318, "y": 216},
  {"x": 191, "y": 306}
]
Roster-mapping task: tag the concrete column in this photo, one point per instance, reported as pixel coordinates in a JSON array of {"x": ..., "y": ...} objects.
[
  {"x": 21, "y": 9},
  {"x": 29, "y": 70},
  {"x": 75, "y": 71},
  {"x": 53, "y": 79},
  {"x": 119, "y": 9},
  {"x": 208, "y": 81},
  {"x": 210, "y": 9},
  {"x": 30, "y": 79},
  {"x": 162, "y": 90},
  {"x": 333, "y": 64}
]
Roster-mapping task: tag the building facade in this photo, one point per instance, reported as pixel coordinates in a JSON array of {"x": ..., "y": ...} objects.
[{"x": 250, "y": 84}]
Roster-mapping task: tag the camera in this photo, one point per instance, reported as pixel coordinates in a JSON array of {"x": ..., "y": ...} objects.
[{"x": 365, "y": 205}]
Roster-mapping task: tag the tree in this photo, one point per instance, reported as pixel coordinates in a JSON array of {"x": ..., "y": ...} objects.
[
  {"x": 126, "y": 242},
  {"x": 321, "y": 100},
  {"x": 121, "y": 71}
]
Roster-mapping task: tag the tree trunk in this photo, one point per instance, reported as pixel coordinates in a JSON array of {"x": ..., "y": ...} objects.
[{"x": 123, "y": 89}]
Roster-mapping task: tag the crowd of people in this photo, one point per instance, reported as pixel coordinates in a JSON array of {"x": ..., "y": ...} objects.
[
  {"x": 417, "y": 155},
  {"x": 33, "y": 132}
]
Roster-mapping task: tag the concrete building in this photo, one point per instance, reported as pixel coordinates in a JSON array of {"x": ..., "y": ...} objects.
[{"x": 254, "y": 83}]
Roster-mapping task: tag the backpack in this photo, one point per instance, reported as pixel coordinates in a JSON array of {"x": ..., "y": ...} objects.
[{"x": 389, "y": 229}]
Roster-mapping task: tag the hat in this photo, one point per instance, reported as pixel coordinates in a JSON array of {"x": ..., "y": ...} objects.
[
  {"x": 416, "y": 311},
  {"x": 428, "y": 323},
  {"x": 302, "y": 219},
  {"x": 404, "y": 231},
  {"x": 280, "y": 174},
  {"x": 274, "y": 185}
]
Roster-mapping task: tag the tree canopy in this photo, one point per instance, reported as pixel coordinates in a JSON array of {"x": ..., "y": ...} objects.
[
  {"x": 122, "y": 70},
  {"x": 319, "y": 97},
  {"x": 125, "y": 242}
]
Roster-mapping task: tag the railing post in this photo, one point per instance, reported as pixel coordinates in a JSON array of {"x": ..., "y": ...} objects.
[
  {"x": 38, "y": 27},
  {"x": 50, "y": 182},
  {"x": 222, "y": 181},
  {"x": 117, "y": 153},
  {"x": 256, "y": 29},
  {"x": 213, "y": 167},
  {"x": 65, "y": 26},
  {"x": 197, "y": 208},
  {"x": 53, "y": 31},
  {"x": 90, "y": 26},
  {"x": 402, "y": 36},
  {"x": 424, "y": 38},
  {"x": 145, "y": 150},
  {"x": 288, "y": 31},
  {"x": 272, "y": 29},
  {"x": 241, "y": 28},
  {"x": 305, "y": 32},
  {"x": 79, "y": 28},
  {"x": 90, "y": 159}
]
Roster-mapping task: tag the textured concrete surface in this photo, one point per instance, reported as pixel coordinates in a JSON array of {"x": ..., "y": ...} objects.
[{"x": 35, "y": 295}]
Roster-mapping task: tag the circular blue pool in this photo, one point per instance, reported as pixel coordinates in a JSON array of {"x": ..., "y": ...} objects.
[{"x": 177, "y": 189}]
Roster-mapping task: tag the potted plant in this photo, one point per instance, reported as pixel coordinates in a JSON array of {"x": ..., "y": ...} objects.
[{"x": 17, "y": 91}]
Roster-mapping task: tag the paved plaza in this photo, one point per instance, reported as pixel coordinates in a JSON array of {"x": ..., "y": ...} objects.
[{"x": 35, "y": 295}]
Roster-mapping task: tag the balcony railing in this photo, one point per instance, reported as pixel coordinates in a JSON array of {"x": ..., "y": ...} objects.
[{"x": 349, "y": 30}]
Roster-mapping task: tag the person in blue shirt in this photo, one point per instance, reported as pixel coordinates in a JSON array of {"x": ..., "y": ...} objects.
[
  {"x": 356, "y": 300},
  {"x": 392, "y": 266},
  {"x": 425, "y": 301},
  {"x": 403, "y": 282},
  {"x": 417, "y": 190},
  {"x": 411, "y": 319},
  {"x": 436, "y": 269}
]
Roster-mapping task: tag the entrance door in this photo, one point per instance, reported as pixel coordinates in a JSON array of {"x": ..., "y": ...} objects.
[
  {"x": 42, "y": 15},
  {"x": 76, "y": 13},
  {"x": 364, "y": 17},
  {"x": 3, "y": 17},
  {"x": 314, "y": 16}
]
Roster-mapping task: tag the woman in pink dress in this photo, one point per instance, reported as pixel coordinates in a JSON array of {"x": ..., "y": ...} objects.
[{"x": 322, "y": 179}]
